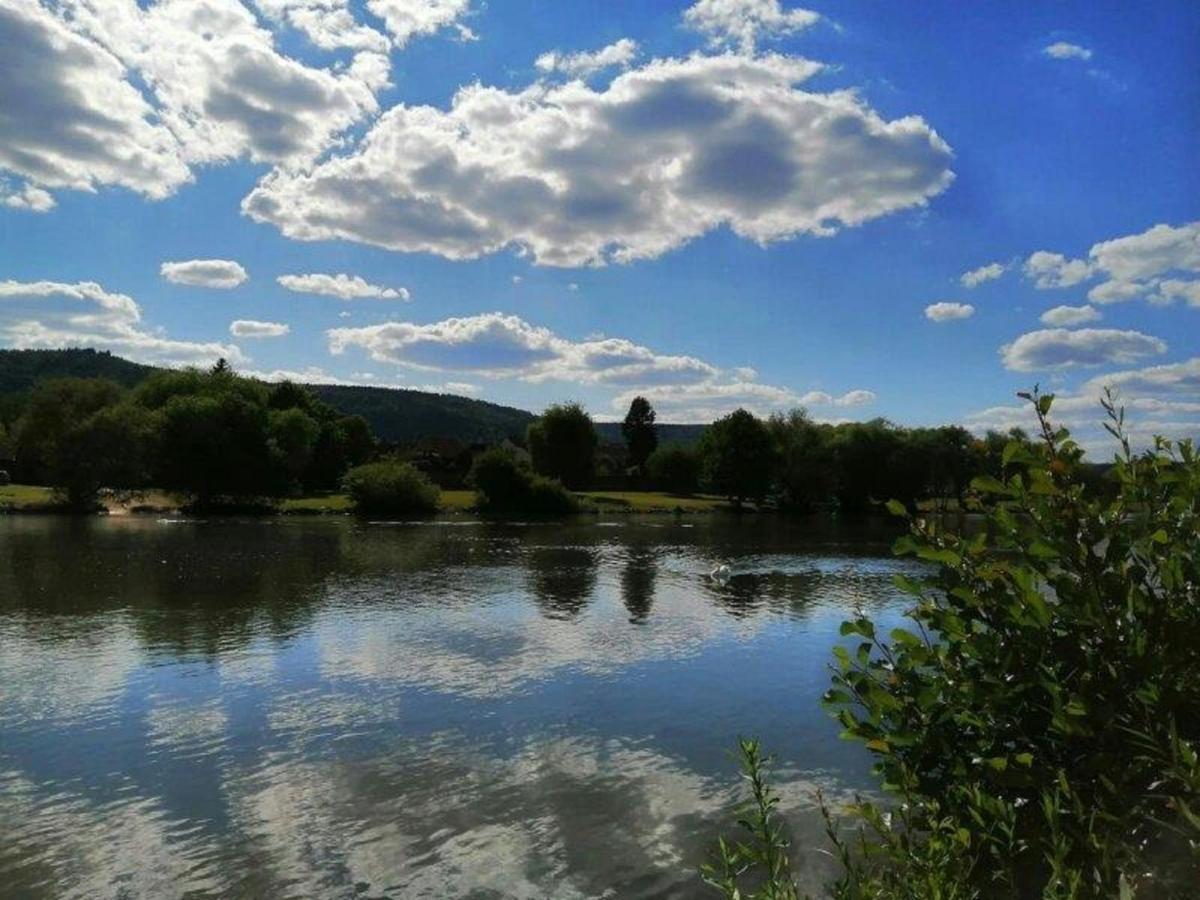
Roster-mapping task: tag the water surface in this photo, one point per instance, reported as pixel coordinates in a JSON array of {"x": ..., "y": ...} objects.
[{"x": 325, "y": 708}]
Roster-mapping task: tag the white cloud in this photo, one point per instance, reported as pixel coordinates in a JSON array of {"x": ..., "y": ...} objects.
[
  {"x": 497, "y": 345},
  {"x": 342, "y": 286},
  {"x": 742, "y": 23},
  {"x": 745, "y": 373},
  {"x": 1053, "y": 270},
  {"x": 621, "y": 53},
  {"x": 1172, "y": 289},
  {"x": 576, "y": 176},
  {"x": 850, "y": 398},
  {"x": 1068, "y": 316},
  {"x": 212, "y": 273},
  {"x": 111, "y": 92},
  {"x": 329, "y": 24},
  {"x": 1158, "y": 400},
  {"x": 517, "y": 279},
  {"x": 1132, "y": 266},
  {"x": 1058, "y": 348},
  {"x": 28, "y": 197},
  {"x": 406, "y": 19},
  {"x": 33, "y": 316},
  {"x": 976, "y": 277},
  {"x": 948, "y": 312},
  {"x": 248, "y": 328},
  {"x": 1065, "y": 50}
]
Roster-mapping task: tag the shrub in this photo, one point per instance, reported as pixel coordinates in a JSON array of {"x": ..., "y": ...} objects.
[
  {"x": 391, "y": 487},
  {"x": 503, "y": 485},
  {"x": 675, "y": 469},
  {"x": 1040, "y": 724}
]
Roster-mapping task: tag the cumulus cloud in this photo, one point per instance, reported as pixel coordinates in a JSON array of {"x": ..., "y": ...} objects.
[
  {"x": 498, "y": 345},
  {"x": 51, "y": 314},
  {"x": 711, "y": 399},
  {"x": 1065, "y": 50},
  {"x": 28, "y": 197},
  {"x": 329, "y": 24},
  {"x": 406, "y": 19},
  {"x": 113, "y": 92},
  {"x": 1068, "y": 316},
  {"x": 742, "y": 23},
  {"x": 1160, "y": 264},
  {"x": 248, "y": 328},
  {"x": 1058, "y": 348},
  {"x": 976, "y": 277},
  {"x": 212, "y": 273},
  {"x": 620, "y": 53},
  {"x": 1158, "y": 400},
  {"x": 577, "y": 176},
  {"x": 342, "y": 286},
  {"x": 1053, "y": 270},
  {"x": 948, "y": 312}
]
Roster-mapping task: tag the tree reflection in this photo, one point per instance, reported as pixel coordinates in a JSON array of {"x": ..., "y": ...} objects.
[
  {"x": 562, "y": 579},
  {"x": 638, "y": 581}
]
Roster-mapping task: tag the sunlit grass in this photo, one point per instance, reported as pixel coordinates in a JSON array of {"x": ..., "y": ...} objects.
[
  {"x": 25, "y": 496},
  {"x": 653, "y": 501}
]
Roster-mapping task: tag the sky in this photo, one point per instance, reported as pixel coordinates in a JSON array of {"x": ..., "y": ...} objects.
[{"x": 906, "y": 210}]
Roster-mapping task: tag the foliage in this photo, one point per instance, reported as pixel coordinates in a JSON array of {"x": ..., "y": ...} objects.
[
  {"x": 390, "y": 487},
  {"x": 563, "y": 445},
  {"x": 641, "y": 436},
  {"x": 738, "y": 457},
  {"x": 806, "y": 473},
  {"x": 114, "y": 447},
  {"x": 1038, "y": 725},
  {"x": 504, "y": 485},
  {"x": 54, "y": 408},
  {"x": 675, "y": 468},
  {"x": 762, "y": 859},
  {"x": 293, "y": 436}
]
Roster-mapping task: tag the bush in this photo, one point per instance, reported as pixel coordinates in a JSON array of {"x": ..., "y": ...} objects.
[
  {"x": 503, "y": 485},
  {"x": 563, "y": 445},
  {"x": 391, "y": 487},
  {"x": 1040, "y": 725},
  {"x": 675, "y": 469}
]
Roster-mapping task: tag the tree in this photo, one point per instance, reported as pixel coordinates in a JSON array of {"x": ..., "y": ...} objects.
[
  {"x": 738, "y": 457},
  {"x": 674, "y": 468},
  {"x": 112, "y": 448},
  {"x": 55, "y": 407},
  {"x": 806, "y": 474},
  {"x": 641, "y": 436},
  {"x": 293, "y": 435},
  {"x": 563, "y": 445}
]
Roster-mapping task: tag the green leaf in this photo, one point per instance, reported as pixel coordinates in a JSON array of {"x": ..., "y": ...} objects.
[
  {"x": 896, "y": 508},
  {"x": 1044, "y": 403}
]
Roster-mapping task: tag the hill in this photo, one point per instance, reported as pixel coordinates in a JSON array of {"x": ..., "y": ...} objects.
[
  {"x": 20, "y": 370},
  {"x": 395, "y": 414}
]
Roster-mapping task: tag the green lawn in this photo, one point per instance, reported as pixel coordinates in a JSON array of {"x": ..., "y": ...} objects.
[
  {"x": 25, "y": 496},
  {"x": 653, "y": 501}
]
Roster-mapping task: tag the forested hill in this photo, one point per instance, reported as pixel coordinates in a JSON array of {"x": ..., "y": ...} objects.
[
  {"x": 401, "y": 415},
  {"x": 20, "y": 370},
  {"x": 395, "y": 415}
]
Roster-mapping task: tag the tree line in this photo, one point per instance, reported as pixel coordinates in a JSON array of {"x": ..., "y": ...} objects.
[
  {"x": 787, "y": 459},
  {"x": 212, "y": 435}
]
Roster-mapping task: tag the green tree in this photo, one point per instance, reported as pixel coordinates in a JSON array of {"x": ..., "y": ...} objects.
[
  {"x": 216, "y": 446},
  {"x": 563, "y": 445},
  {"x": 674, "y": 468},
  {"x": 805, "y": 472},
  {"x": 113, "y": 448},
  {"x": 293, "y": 436},
  {"x": 639, "y": 431},
  {"x": 54, "y": 408},
  {"x": 504, "y": 485},
  {"x": 391, "y": 487},
  {"x": 738, "y": 457}
]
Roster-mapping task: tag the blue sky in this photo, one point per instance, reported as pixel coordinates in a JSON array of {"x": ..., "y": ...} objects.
[{"x": 732, "y": 202}]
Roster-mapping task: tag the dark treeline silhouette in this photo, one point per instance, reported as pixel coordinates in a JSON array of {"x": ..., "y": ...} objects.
[{"x": 211, "y": 435}]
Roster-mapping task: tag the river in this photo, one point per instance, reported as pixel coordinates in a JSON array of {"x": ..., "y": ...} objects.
[{"x": 452, "y": 709}]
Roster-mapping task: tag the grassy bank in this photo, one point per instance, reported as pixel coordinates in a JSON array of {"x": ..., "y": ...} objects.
[{"x": 34, "y": 498}]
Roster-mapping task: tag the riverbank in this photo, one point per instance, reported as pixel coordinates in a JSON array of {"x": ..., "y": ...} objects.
[{"x": 18, "y": 498}]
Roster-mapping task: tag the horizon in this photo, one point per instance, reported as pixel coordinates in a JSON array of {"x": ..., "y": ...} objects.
[{"x": 865, "y": 212}]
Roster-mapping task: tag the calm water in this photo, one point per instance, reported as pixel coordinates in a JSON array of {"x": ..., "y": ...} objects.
[{"x": 320, "y": 708}]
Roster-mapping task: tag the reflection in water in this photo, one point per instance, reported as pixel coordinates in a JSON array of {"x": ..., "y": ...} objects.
[
  {"x": 324, "y": 708},
  {"x": 637, "y": 582}
]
